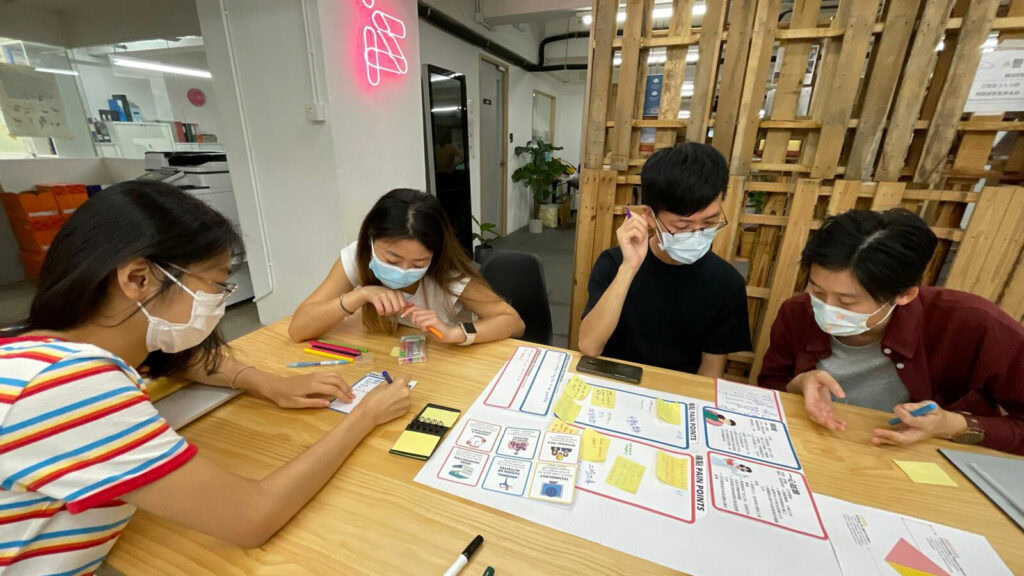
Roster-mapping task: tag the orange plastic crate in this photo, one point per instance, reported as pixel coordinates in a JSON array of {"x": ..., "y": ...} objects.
[
  {"x": 37, "y": 233},
  {"x": 30, "y": 204},
  {"x": 70, "y": 197}
]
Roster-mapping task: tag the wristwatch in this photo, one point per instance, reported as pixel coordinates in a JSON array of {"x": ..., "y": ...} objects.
[
  {"x": 974, "y": 433},
  {"x": 470, "y": 331}
]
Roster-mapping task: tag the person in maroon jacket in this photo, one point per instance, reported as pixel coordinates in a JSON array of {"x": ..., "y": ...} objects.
[{"x": 867, "y": 333}]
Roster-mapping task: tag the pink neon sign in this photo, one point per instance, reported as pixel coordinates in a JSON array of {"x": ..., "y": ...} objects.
[{"x": 381, "y": 50}]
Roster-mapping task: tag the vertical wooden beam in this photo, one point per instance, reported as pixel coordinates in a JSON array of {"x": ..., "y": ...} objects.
[
  {"x": 631, "y": 34},
  {"x": 858, "y": 23},
  {"x": 844, "y": 196},
  {"x": 596, "y": 186},
  {"x": 766, "y": 23},
  {"x": 741, "y": 25},
  {"x": 1012, "y": 300},
  {"x": 675, "y": 72},
  {"x": 991, "y": 244},
  {"x": 732, "y": 209},
  {"x": 707, "y": 65},
  {"x": 791, "y": 81},
  {"x": 787, "y": 265},
  {"x": 603, "y": 33},
  {"x": 641, "y": 77},
  {"x": 930, "y": 30},
  {"x": 888, "y": 195},
  {"x": 890, "y": 51},
  {"x": 942, "y": 130}
]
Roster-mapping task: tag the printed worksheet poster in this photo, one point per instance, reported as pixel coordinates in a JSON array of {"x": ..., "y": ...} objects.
[
  {"x": 589, "y": 456},
  {"x": 764, "y": 493},
  {"x": 759, "y": 439}
]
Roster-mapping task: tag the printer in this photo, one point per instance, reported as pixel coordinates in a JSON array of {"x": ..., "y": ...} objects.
[{"x": 205, "y": 175}]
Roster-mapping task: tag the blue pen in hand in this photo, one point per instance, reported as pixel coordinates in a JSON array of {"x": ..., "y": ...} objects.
[{"x": 929, "y": 407}]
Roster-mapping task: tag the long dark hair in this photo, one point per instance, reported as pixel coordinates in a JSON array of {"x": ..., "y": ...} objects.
[
  {"x": 135, "y": 219},
  {"x": 404, "y": 213}
]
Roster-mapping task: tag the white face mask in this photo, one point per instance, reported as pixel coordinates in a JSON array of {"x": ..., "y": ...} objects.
[
  {"x": 685, "y": 247},
  {"x": 841, "y": 322},
  {"x": 207, "y": 310}
]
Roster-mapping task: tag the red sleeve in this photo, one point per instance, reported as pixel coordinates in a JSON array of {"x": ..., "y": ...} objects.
[
  {"x": 999, "y": 378},
  {"x": 778, "y": 367}
]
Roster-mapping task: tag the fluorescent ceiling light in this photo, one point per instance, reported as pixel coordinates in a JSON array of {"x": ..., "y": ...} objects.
[
  {"x": 657, "y": 13},
  {"x": 57, "y": 71},
  {"x": 158, "y": 67}
]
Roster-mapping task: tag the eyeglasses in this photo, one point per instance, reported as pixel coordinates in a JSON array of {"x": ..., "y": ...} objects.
[
  {"x": 226, "y": 288},
  {"x": 709, "y": 229}
]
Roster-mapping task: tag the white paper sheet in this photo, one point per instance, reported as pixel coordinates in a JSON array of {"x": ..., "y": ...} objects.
[
  {"x": 873, "y": 542},
  {"x": 361, "y": 389},
  {"x": 749, "y": 400}
]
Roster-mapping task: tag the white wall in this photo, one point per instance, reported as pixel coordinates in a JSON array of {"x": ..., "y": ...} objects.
[
  {"x": 523, "y": 39},
  {"x": 312, "y": 182},
  {"x": 441, "y": 49}
]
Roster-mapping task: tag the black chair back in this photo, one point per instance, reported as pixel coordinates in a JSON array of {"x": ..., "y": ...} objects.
[{"x": 519, "y": 278}]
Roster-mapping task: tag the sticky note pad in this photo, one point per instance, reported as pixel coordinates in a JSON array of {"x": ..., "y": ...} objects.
[
  {"x": 603, "y": 398},
  {"x": 669, "y": 412},
  {"x": 673, "y": 471},
  {"x": 625, "y": 474},
  {"x": 577, "y": 388},
  {"x": 445, "y": 418},
  {"x": 416, "y": 443},
  {"x": 925, "y": 473},
  {"x": 594, "y": 447},
  {"x": 562, "y": 428},
  {"x": 395, "y": 352},
  {"x": 566, "y": 409}
]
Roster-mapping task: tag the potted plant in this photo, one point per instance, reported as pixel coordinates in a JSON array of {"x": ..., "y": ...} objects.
[
  {"x": 538, "y": 174},
  {"x": 484, "y": 250}
]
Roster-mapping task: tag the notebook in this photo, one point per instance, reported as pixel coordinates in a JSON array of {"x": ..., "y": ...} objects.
[{"x": 424, "y": 433}]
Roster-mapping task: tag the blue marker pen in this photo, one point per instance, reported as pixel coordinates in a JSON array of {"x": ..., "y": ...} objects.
[
  {"x": 324, "y": 363},
  {"x": 929, "y": 407},
  {"x": 386, "y": 376}
]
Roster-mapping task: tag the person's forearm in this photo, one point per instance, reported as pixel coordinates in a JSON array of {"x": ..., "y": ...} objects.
[
  {"x": 1003, "y": 433},
  {"x": 712, "y": 365},
  {"x": 286, "y": 490},
  {"x": 232, "y": 374},
  {"x": 598, "y": 325},
  {"x": 314, "y": 318},
  {"x": 498, "y": 327}
]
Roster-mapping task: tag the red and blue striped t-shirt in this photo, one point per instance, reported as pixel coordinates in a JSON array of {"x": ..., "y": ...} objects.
[{"x": 77, "y": 431}]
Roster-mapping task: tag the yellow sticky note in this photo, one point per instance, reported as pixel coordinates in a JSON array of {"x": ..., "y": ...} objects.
[
  {"x": 625, "y": 474},
  {"x": 447, "y": 418},
  {"x": 577, "y": 388},
  {"x": 925, "y": 473},
  {"x": 412, "y": 442},
  {"x": 668, "y": 411},
  {"x": 603, "y": 397},
  {"x": 673, "y": 471},
  {"x": 566, "y": 409},
  {"x": 562, "y": 428},
  {"x": 594, "y": 446},
  {"x": 395, "y": 352}
]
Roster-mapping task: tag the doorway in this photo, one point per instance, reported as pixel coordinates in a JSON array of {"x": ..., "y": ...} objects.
[
  {"x": 493, "y": 143},
  {"x": 447, "y": 142}
]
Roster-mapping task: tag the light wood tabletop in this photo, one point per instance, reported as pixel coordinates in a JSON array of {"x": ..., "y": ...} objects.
[{"x": 372, "y": 519}]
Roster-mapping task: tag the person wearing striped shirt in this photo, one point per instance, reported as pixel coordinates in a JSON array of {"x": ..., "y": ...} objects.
[{"x": 135, "y": 283}]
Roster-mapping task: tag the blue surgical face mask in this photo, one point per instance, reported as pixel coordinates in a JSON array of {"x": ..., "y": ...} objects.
[
  {"x": 393, "y": 276},
  {"x": 685, "y": 247}
]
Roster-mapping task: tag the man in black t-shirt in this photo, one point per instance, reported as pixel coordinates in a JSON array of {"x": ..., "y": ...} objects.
[{"x": 664, "y": 299}]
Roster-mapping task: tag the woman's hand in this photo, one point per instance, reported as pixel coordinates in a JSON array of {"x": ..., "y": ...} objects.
[
  {"x": 384, "y": 403},
  {"x": 388, "y": 302},
  {"x": 425, "y": 319},
  {"x": 938, "y": 423},
  {"x": 314, "y": 390}
]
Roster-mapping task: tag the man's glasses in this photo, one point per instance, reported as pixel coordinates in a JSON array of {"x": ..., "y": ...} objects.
[{"x": 707, "y": 229}]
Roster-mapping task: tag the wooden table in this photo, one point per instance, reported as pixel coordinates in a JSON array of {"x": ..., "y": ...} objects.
[{"x": 371, "y": 518}]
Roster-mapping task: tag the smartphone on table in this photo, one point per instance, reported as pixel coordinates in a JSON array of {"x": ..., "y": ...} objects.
[{"x": 610, "y": 369}]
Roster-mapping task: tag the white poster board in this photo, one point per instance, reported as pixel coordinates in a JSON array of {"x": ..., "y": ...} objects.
[
  {"x": 30, "y": 102},
  {"x": 998, "y": 84}
]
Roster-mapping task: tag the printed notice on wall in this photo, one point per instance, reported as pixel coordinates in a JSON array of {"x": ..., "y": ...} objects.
[
  {"x": 30, "y": 102},
  {"x": 998, "y": 85}
]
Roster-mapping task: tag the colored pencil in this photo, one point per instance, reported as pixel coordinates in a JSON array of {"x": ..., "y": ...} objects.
[
  {"x": 340, "y": 345},
  {"x": 334, "y": 349},
  {"x": 436, "y": 332},
  {"x": 327, "y": 355}
]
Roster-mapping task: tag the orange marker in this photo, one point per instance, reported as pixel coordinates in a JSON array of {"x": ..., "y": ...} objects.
[{"x": 435, "y": 332}]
